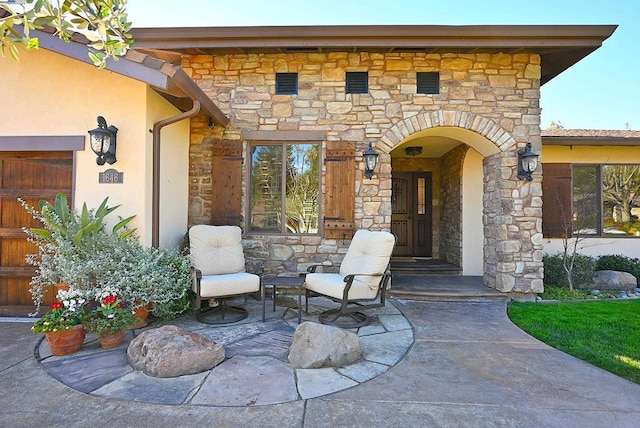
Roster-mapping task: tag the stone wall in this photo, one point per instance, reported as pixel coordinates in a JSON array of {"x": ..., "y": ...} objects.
[
  {"x": 493, "y": 95},
  {"x": 451, "y": 223}
]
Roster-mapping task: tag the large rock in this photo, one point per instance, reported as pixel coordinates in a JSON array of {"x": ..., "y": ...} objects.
[
  {"x": 170, "y": 351},
  {"x": 614, "y": 280},
  {"x": 316, "y": 345}
]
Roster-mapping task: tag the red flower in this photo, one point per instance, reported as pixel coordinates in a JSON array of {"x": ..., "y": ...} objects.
[
  {"x": 109, "y": 300},
  {"x": 57, "y": 305}
]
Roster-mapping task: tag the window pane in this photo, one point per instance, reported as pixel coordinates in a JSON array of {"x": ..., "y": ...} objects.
[
  {"x": 620, "y": 199},
  {"x": 302, "y": 188},
  {"x": 266, "y": 189},
  {"x": 422, "y": 202},
  {"x": 586, "y": 200}
]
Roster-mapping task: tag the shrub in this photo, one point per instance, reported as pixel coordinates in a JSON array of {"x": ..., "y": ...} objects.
[
  {"x": 620, "y": 263},
  {"x": 555, "y": 275}
]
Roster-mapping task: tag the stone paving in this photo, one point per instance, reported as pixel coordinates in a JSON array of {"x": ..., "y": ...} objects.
[{"x": 255, "y": 371}]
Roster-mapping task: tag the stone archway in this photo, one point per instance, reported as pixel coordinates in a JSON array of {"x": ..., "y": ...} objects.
[{"x": 512, "y": 209}]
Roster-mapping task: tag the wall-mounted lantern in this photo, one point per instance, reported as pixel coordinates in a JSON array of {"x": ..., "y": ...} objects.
[
  {"x": 103, "y": 142},
  {"x": 527, "y": 163},
  {"x": 370, "y": 161}
]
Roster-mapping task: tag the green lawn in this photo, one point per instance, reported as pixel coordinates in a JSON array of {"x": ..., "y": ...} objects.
[{"x": 603, "y": 333}]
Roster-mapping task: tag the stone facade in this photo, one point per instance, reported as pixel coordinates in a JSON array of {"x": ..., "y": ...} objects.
[{"x": 495, "y": 96}]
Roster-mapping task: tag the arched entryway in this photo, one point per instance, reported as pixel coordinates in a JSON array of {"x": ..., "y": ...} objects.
[{"x": 480, "y": 217}]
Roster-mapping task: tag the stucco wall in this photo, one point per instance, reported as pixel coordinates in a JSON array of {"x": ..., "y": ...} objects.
[
  {"x": 472, "y": 230},
  {"x": 628, "y": 246},
  {"x": 51, "y": 94}
]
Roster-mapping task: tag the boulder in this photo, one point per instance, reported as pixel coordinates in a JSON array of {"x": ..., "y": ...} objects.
[
  {"x": 317, "y": 345},
  {"x": 170, "y": 351},
  {"x": 614, "y": 280}
]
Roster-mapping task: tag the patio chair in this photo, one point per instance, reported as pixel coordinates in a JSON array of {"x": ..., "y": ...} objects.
[
  {"x": 364, "y": 277},
  {"x": 219, "y": 272}
]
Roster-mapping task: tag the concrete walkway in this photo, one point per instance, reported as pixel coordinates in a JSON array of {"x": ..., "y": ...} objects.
[{"x": 468, "y": 366}]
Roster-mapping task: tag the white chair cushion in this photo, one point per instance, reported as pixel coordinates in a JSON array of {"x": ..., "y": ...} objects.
[
  {"x": 368, "y": 253},
  {"x": 228, "y": 284},
  {"x": 216, "y": 250},
  {"x": 332, "y": 284}
]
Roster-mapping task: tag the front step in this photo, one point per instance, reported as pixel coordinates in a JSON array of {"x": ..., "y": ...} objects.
[
  {"x": 448, "y": 296},
  {"x": 442, "y": 288}
]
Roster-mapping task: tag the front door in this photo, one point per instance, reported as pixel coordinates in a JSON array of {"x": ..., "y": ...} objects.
[
  {"x": 30, "y": 176},
  {"x": 411, "y": 213}
]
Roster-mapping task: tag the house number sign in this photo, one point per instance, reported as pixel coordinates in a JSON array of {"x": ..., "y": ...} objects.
[{"x": 111, "y": 176}]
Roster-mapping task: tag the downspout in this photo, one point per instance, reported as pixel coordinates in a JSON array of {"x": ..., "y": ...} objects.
[{"x": 155, "y": 198}]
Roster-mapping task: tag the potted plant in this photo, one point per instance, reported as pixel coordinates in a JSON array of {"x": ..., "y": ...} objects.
[
  {"x": 62, "y": 324},
  {"x": 109, "y": 319},
  {"x": 73, "y": 247}
]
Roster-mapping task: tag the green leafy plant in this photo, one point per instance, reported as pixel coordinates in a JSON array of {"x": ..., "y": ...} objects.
[
  {"x": 555, "y": 273},
  {"x": 58, "y": 318},
  {"x": 620, "y": 263},
  {"x": 103, "y": 22},
  {"x": 75, "y": 248},
  {"x": 110, "y": 315}
]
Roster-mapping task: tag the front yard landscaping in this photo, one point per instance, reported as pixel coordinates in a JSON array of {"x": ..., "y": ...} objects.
[{"x": 603, "y": 333}]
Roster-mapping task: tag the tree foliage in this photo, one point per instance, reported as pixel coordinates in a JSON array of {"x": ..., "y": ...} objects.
[{"x": 103, "y": 22}]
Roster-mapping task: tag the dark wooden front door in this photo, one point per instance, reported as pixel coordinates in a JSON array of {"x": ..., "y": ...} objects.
[
  {"x": 411, "y": 215},
  {"x": 30, "y": 176}
]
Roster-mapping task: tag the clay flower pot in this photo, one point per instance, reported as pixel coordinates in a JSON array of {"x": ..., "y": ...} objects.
[
  {"x": 112, "y": 340},
  {"x": 66, "y": 342},
  {"x": 141, "y": 313}
]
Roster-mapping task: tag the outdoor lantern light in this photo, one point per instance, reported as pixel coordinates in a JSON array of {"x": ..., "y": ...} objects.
[
  {"x": 103, "y": 142},
  {"x": 527, "y": 163},
  {"x": 370, "y": 161}
]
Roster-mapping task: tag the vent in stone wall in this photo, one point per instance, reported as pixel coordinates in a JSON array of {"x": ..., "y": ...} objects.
[
  {"x": 286, "y": 83},
  {"x": 428, "y": 83},
  {"x": 357, "y": 82}
]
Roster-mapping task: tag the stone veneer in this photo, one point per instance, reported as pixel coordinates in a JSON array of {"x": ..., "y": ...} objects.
[{"x": 493, "y": 95}]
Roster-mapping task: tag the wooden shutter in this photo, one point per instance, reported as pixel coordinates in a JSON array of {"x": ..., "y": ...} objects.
[
  {"x": 339, "y": 190},
  {"x": 556, "y": 200},
  {"x": 226, "y": 182}
]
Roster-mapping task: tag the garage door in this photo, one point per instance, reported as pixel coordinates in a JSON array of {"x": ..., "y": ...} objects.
[{"x": 31, "y": 176}]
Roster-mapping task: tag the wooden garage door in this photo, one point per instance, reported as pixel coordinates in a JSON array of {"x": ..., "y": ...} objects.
[{"x": 31, "y": 176}]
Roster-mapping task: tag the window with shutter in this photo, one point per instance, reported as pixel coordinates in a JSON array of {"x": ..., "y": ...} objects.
[
  {"x": 339, "y": 191},
  {"x": 284, "y": 188},
  {"x": 556, "y": 200},
  {"x": 226, "y": 182}
]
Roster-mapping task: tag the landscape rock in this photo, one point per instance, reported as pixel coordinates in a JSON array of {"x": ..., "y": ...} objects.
[
  {"x": 317, "y": 345},
  {"x": 614, "y": 280},
  {"x": 170, "y": 351}
]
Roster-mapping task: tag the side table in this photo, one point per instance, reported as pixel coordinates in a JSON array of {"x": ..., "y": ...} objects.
[{"x": 282, "y": 281}]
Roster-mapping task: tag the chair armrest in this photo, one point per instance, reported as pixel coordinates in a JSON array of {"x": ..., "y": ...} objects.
[
  {"x": 312, "y": 268},
  {"x": 197, "y": 273}
]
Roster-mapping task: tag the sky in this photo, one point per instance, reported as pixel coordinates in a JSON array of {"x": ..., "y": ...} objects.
[{"x": 600, "y": 92}]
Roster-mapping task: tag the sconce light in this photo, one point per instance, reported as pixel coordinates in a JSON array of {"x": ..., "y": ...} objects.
[
  {"x": 103, "y": 142},
  {"x": 370, "y": 161},
  {"x": 527, "y": 163}
]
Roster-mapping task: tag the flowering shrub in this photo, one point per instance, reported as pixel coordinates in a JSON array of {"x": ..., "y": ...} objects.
[
  {"x": 113, "y": 314},
  {"x": 59, "y": 318}
]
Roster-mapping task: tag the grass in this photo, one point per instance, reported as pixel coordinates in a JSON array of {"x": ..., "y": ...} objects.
[
  {"x": 603, "y": 333},
  {"x": 563, "y": 293}
]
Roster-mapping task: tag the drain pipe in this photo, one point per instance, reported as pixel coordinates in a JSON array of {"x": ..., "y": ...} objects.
[{"x": 155, "y": 198}]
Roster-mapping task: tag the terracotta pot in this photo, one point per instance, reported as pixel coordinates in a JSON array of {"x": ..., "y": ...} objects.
[
  {"x": 60, "y": 286},
  {"x": 141, "y": 313},
  {"x": 67, "y": 341},
  {"x": 112, "y": 340}
]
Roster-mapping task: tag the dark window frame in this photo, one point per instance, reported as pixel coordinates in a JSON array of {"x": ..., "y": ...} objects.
[
  {"x": 286, "y": 83},
  {"x": 355, "y": 80},
  {"x": 426, "y": 81},
  {"x": 595, "y": 207},
  {"x": 283, "y": 195}
]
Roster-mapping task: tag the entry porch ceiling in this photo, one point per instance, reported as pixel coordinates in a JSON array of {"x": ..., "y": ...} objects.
[{"x": 560, "y": 46}]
